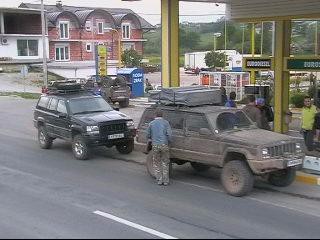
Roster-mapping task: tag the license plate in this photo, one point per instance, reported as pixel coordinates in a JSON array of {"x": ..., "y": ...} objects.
[
  {"x": 116, "y": 136},
  {"x": 295, "y": 162}
]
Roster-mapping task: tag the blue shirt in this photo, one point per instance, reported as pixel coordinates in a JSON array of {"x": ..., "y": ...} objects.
[
  {"x": 159, "y": 131},
  {"x": 231, "y": 103}
]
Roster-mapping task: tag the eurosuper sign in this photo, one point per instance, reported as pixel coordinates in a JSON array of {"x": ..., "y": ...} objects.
[
  {"x": 253, "y": 63},
  {"x": 302, "y": 64}
]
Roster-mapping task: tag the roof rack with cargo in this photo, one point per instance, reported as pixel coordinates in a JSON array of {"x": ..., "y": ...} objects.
[
  {"x": 186, "y": 96},
  {"x": 65, "y": 87}
]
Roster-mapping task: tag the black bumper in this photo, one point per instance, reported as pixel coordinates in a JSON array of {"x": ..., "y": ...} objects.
[{"x": 98, "y": 140}]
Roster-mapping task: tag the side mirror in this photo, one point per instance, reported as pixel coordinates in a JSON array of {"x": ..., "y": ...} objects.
[
  {"x": 205, "y": 132},
  {"x": 62, "y": 115},
  {"x": 116, "y": 109}
]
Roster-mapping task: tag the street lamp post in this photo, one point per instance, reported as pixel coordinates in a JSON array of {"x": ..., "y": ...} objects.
[
  {"x": 215, "y": 35},
  {"x": 44, "y": 50}
]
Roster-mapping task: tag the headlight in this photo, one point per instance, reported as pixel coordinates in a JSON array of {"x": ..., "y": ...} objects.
[
  {"x": 130, "y": 124},
  {"x": 298, "y": 148},
  {"x": 92, "y": 129},
  {"x": 265, "y": 153}
]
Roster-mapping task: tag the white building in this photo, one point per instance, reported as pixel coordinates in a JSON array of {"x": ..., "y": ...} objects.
[{"x": 21, "y": 36}]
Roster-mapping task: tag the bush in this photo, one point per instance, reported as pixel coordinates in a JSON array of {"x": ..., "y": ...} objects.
[{"x": 297, "y": 99}]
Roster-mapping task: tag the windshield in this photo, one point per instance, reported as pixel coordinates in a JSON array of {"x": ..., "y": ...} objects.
[
  {"x": 89, "y": 105},
  {"x": 232, "y": 120}
]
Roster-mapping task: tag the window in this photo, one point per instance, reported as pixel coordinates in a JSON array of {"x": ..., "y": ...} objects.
[
  {"x": 27, "y": 48},
  {"x": 126, "y": 31},
  {"x": 53, "y": 104},
  {"x": 89, "y": 47},
  {"x": 64, "y": 30},
  {"x": 88, "y": 26},
  {"x": 128, "y": 46},
  {"x": 196, "y": 122},
  {"x": 100, "y": 27},
  {"x": 43, "y": 102},
  {"x": 62, "y": 53},
  {"x": 61, "y": 108},
  {"x": 175, "y": 119}
]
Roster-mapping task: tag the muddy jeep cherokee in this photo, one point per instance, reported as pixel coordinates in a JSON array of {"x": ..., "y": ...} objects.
[
  {"x": 207, "y": 136},
  {"x": 82, "y": 119}
]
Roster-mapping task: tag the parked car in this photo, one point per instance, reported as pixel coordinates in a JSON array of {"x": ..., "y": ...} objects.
[
  {"x": 69, "y": 113},
  {"x": 212, "y": 136},
  {"x": 112, "y": 90}
]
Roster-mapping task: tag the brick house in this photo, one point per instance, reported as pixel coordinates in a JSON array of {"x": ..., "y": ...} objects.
[{"x": 74, "y": 31}]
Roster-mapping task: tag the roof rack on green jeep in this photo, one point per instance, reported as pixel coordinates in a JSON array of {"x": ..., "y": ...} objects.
[
  {"x": 186, "y": 96},
  {"x": 65, "y": 87}
]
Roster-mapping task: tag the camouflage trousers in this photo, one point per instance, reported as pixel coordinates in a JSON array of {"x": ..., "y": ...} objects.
[{"x": 161, "y": 162}]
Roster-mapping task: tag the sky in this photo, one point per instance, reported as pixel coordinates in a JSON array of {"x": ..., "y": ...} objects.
[{"x": 148, "y": 9}]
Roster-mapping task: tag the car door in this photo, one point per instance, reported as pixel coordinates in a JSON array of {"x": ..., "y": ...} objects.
[
  {"x": 62, "y": 126},
  {"x": 200, "y": 148},
  {"x": 176, "y": 120},
  {"x": 52, "y": 116}
]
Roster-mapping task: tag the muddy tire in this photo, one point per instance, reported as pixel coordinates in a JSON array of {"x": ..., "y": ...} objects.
[
  {"x": 45, "y": 142},
  {"x": 282, "y": 178},
  {"x": 124, "y": 104},
  {"x": 107, "y": 82},
  {"x": 199, "y": 167},
  {"x": 80, "y": 148},
  {"x": 120, "y": 81},
  {"x": 149, "y": 164},
  {"x": 125, "y": 148},
  {"x": 237, "y": 178},
  {"x": 150, "y": 168}
]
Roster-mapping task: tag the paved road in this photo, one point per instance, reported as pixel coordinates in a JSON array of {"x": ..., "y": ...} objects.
[{"x": 48, "y": 194}]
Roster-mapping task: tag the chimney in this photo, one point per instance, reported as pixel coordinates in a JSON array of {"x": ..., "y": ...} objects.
[{"x": 59, "y": 4}]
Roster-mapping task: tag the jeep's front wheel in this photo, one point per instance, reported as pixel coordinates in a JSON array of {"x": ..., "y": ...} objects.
[
  {"x": 80, "y": 148},
  {"x": 282, "y": 178},
  {"x": 45, "y": 142},
  {"x": 126, "y": 147},
  {"x": 237, "y": 179},
  {"x": 199, "y": 167}
]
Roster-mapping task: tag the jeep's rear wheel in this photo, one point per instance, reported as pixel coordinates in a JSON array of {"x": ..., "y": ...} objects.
[
  {"x": 126, "y": 147},
  {"x": 45, "y": 142},
  {"x": 237, "y": 178},
  {"x": 150, "y": 166},
  {"x": 282, "y": 178},
  {"x": 124, "y": 104},
  {"x": 80, "y": 148},
  {"x": 199, "y": 167}
]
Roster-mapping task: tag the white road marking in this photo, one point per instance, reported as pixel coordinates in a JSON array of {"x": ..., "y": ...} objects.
[
  {"x": 134, "y": 225},
  {"x": 251, "y": 198}
]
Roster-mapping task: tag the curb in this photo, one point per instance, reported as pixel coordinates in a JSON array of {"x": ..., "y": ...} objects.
[{"x": 308, "y": 178}]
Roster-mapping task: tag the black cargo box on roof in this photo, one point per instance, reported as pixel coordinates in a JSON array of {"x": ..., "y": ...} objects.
[{"x": 186, "y": 96}]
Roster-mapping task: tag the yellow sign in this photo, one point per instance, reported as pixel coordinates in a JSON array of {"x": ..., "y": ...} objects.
[{"x": 102, "y": 60}]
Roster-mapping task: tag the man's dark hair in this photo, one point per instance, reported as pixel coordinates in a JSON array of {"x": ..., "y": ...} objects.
[
  {"x": 307, "y": 97},
  {"x": 251, "y": 98},
  {"x": 232, "y": 95},
  {"x": 159, "y": 113}
]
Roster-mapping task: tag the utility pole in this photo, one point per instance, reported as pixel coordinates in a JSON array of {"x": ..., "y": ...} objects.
[{"x": 44, "y": 50}]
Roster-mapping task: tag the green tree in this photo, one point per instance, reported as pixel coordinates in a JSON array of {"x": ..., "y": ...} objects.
[
  {"x": 131, "y": 58},
  {"x": 215, "y": 59}
]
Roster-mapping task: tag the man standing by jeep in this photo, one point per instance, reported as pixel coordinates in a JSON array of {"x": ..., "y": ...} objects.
[
  {"x": 160, "y": 133},
  {"x": 309, "y": 112}
]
